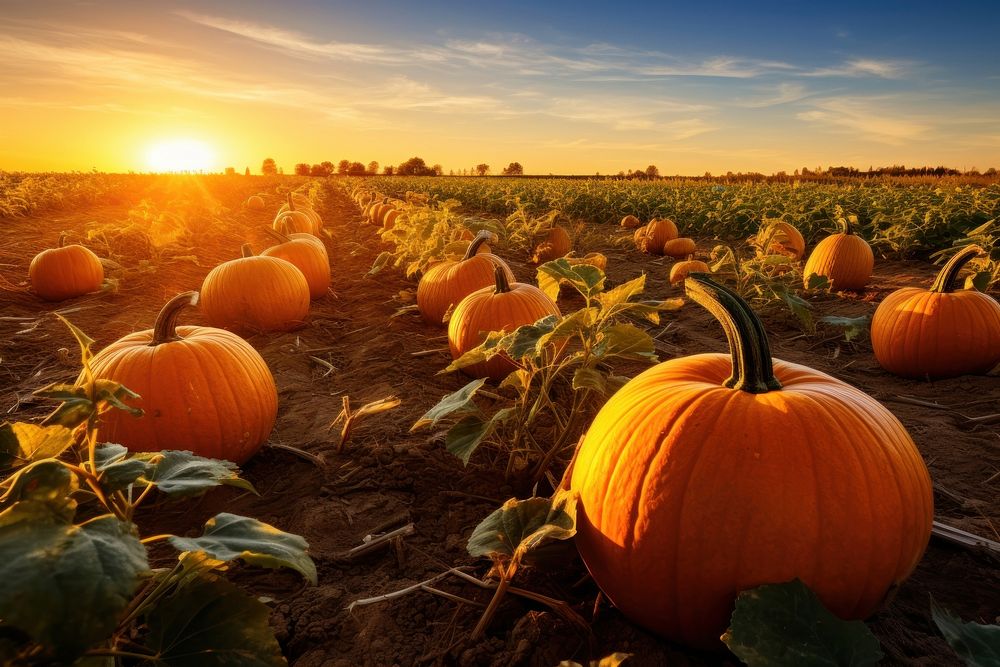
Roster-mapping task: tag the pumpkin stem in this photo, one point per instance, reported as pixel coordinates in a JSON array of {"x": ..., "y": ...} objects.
[
  {"x": 246, "y": 250},
  {"x": 291, "y": 206},
  {"x": 282, "y": 235},
  {"x": 753, "y": 370},
  {"x": 482, "y": 237},
  {"x": 165, "y": 328},
  {"x": 945, "y": 280},
  {"x": 503, "y": 285},
  {"x": 845, "y": 222},
  {"x": 62, "y": 239}
]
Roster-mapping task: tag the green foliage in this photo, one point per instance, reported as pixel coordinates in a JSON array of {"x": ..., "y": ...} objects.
[
  {"x": 978, "y": 645},
  {"x": 522, "y": 525}
]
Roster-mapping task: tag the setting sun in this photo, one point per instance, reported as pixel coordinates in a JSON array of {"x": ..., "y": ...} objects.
[{"x": 174, "y": 155}]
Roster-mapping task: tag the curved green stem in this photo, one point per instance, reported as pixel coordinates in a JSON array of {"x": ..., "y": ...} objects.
[
  {"x": 848, "y": 227},
  {"x": 753, "y": 370},
  {"x": 165, "y": 327},
  {"x": 500, "y": 275},
  {"x": 482, "y": 237},
  {"x": 945, "y": 280}
]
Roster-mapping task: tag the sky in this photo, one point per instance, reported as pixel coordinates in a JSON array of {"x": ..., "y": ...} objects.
[{"x": 561, "y": 87}]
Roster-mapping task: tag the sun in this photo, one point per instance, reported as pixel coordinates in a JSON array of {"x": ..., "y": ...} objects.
[{"x": 178, "y": 155}]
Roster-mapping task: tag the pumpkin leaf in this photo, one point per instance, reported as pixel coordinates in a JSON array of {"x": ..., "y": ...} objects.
[
  {"x": 590, "y": 378},
  {"x": 817, "y": 281},
  {"x": 230, "y": 536},
  {"x": 625, "y": 341},
  {"x": 465, "y": 435},
  {"x": 586, "y": 279},
  {"x": 65, "y": 585},
  {"x": 484, "y": 351},
  {"x": 21, "y": 443},
  {"x": 786, "y": 624},
  {"x": 979, "y": 281},
  {"x": 380, "y": 263},
  {"x": 459, "y": 402},
  {"x": 524, "y": 341},
  {"x": 118, "y": 472},
  {"x": 854, "y": 327},
  {"x": 650, "y": 310},
  {"x": 41, "y": 491},
  {"x": 211, "y": 622},
  {"x": 521, "y": 525},
  {"x": 181, "y": 473},
  {"x": 978, "y": 645},
  {"x": 801, "y": 308},
  {"x": 621, "y": 295}
]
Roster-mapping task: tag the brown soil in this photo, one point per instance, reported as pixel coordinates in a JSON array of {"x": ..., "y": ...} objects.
[{"x": 387, "y": 477}]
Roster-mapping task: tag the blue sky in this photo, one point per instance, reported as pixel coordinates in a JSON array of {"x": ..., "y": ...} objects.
[{"x": 562, "y": 87}]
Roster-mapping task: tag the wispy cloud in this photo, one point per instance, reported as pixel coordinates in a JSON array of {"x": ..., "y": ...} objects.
[
  {"x": 865, "y": 67},
  {"x": 873, "y": 118},
  {"x": 772, "y": 96}
]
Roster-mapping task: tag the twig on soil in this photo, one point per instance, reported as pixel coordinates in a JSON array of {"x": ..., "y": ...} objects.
[
  {"x": 962, "y": 538},
  {"x": 558, "y": 606},
  {"x": 312, "y": 458},
  {"x": 400, "y": 593},
  {"x": 373, "y": 543},
  {"x": 325, "y": 364}
]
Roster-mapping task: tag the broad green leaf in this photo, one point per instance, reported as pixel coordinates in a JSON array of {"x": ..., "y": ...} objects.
[
  {"x": 114, "y": 394},
  {"x": 66, "y": 585},
  {"x": 466, "y": 435},
  {"x": 483, "y": 352},
  {"x": 524, "y": 341},
  {"x": 456, "y": 402},
  {"x": 584, "y": 278},
  {"x": 21, "y": 443},
  {"x": 121, "y": 475},
  {"x": 521, "y": 525},
  {"x": 230, "y": 536},
  {"x": 801, "y": 308},
  {"x": 590, "y": 378},
  {"x": 211, "y": 623},
  {"x": 181, "y": 473},
  {"x": 622, "y": 294},
  {"x": 979, "y": 281},
  {"x": 817, "y": 281},
  {"x": 625, "y": 341},
  {"x": 978, "y": 645},
  {"x": 40, "y": 492},
  {"x": 854, "y": 327},
  {"x": 786, "y": 624},
  {"x": 650, "y": 310},
  {"x": 84, "y": 341}
]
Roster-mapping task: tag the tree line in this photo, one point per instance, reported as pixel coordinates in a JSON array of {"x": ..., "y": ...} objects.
[{"x": 415, "y": 166}]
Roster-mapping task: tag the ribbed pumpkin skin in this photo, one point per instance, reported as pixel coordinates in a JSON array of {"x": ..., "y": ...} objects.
[
  {"x": 630, "y": 222},
  {"x": 63, "y": 273},
  {"x": 691, "y": 492},
  {"x": 255, "y": 294},
  {"x": 556, "y": 244},
  {"x": 255, "y": 203},
  {"x": 785, "y": 240},
  {"x": 389, "y": 221},
  {"x": 917, "y": 333},
  {"x": 680, "y": 270},
  {"x": 446, "y": 283},
  {"x": 296, "y": 222},
  {"x": 483, "y": 311},
  {"x": 845, "y": 259},
  {"x": 307, "y": 258},
  {"x": 209, "y": 392},
  {"x": 655, "y": 235},
  {"x": 681, "y": 247}
]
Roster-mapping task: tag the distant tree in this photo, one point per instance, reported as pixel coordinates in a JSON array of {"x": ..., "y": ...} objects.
[
  {"x": 343, "y": 166},
  {"x": 513, "y": 169},
  {"x": 438, "y": 170},
  {"x": 388, "y": 170},
  {"x": 281, "y": 171},
  {"x": 373, "y": 167},
  {"x": 269, "y": 168},
  {"x": 247, "y": 172},
  {"x": 328, "y": 166},
  {"x": 451, "y": 172},
  {"x": 302, "y": 169},
  {"x": 415, "y": 166},
  {"x": 482, "y": 169},
  {"x": 230, "y": 171},
  {"x": 320, "y": 170},
  {"x": 356, "y": 169},
  {"x": 652, "y": 172}
]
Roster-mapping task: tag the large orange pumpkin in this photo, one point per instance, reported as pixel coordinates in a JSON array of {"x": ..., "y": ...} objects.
[
  {"x": 283, "y": 233},
  {"x": 680, "y": 247},
  {"x": 308, "y": 258},
  {"x": 255, "y": 294},
  {"x": 201, "y": 389},
  {"x": 446, "y": 283},
  {"x": 555, "y": 244},
  {"x": 680, "y": 270},
  {"x": 297, "y": 220},
  {"x": 655, "y": 235},
  {"x": 65, "y": 272},
  {"x": 711, "y": 474},
  {"x": 777, "y": 237},
  {"x": 502, "y": 307},
  {"x": 845, "y": 259},
  {"x": 940, "y": 332}
]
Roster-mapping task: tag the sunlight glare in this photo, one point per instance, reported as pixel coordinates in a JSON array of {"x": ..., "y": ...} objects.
[{"x": 180, "y": 155}]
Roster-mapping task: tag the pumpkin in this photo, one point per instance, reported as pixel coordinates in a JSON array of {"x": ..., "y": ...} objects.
[
  {"x": 381, "y": 213},
  {"x": 448, "y": 282},
  {"x": 255, "y": 203},
  {"x": 65, "y": 271},
  {"x": 630, "y": 222},
  {"x": 300, "y": 204},
  {"x": 681, "y": 247},
  {"x": 296, "y": 221},
  {"x": 777, "y": 237},
  {"x": 312, "y": 261},
  {"x": 555, "y": 244},
  {"x": 389, "y": 221},
  {"x": 680, "y": 270},
  {"x": 845, "y": 259},
  {"x": 282, "y": 233},
  {"x": 655, "y": 235},
  {"x": 711, "y": 474},
  {"x": 201, "y": 389},
  {"x": 940, "y": 332},
  {"x": 502, "y": 307},
  {"x": 255, "y": 294},
  {"x": 591, "y": 258}
]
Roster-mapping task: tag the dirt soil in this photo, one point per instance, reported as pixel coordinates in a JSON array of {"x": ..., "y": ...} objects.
[{"x": 387, "y": 477}]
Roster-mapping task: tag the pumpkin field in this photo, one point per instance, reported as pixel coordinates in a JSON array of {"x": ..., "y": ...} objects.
[{"x": 498, "y": 421}]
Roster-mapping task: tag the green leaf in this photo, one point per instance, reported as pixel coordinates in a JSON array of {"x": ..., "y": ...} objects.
[
  {"x": 978, "y": 645},
  {"x": 625, "y": 341},
  {"x": 230, "y": 536},
  {"x": 456, "y": 402},
  {"x": 979, "y": 281},
  {"x": 786, "y": 624},
  {"x": 587, "y": 279},
  {"x": 817, "y": 281},
  {"x": 622, "y": 294},
  {"x": 650, "y": 310},
  {"x": 854, "y": 327},
  {"x": 116, "y": 472},
  {"x": 21, "y": 443},
  {"x": 40, "y": 492},
  {"x": 465, "y": 435},
  {"x": 801, "y": 308},
  {"x": 66, "y": 585},
  {"x": 181, "y": 473},
  {"x": 379, "y": 263},
  {"x": 521, "y": 525},
  {"x": 524, "y": 341},
  {"x": 211, "y": 623},
  {"x": 590, "y": 378}
]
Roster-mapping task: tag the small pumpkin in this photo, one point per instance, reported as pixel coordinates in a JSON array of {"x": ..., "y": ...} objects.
[
  {"x": 65, "y": 271},
  {"x": 502, "y": 307},
  {"x": 446, "y": 283},
  {"x": 296, "y": 220},
  {"x": 201, "y": 389},
  {"x": 680, "y": 270},
  {"x": 555, "y": 244},
  {"x": 255, "y": 203},
  {"x": 282, "y": 231},
  {"x": 845, "y": 259},
  {"x": 389, "y": 221},
  {"x": 311, "y": 260},
  {"x": 941, "y": 332},
  {"x": 630, "y": 222},
  {"x": 655, "y": 235},
  {"x": 681, "y": 247},
  {"x": 777, "y": 237},
  {"x": 255, "y": 294},
  {"x": 712, "y": 474},
  {"x": 382, "y": 213}
]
